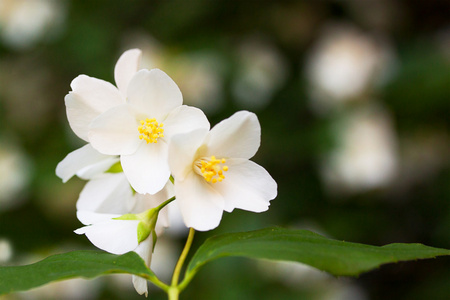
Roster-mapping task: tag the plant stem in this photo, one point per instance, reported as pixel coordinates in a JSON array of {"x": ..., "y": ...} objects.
[
  {"x": 157, "y": 282},
  {"x": 161, "y": 206},
  {"x": 173, "y": 293},
  {"x": 174, "y": 289}
]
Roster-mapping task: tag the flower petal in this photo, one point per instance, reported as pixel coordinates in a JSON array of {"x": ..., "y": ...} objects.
[
  {"x": 90, "y": 217},
  {"x": 115, "y": 132},
  {"x": 154, "y": 93},
  {"x": 147, "y": 169},
  {"x": 85, "y": 161},
  {"x": 182, "y": 151},
  {"x": 94, "y": 170},
  {"x": 201, "y": 206},
  {"x": 239, "y": 136},
  {"x": 145, "y": 250},
  {"x": 88, "y": 99},
  {"x": 114, "y": 236},
  {"x": 109, "y": 193},
  {"x": 184, "y": 119},
  {"x": 246, "y": 186},
  {"x": 126, "y": 67}
]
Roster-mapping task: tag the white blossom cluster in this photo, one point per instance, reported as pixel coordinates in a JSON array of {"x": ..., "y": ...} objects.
[{"x": 145, "y": 147}]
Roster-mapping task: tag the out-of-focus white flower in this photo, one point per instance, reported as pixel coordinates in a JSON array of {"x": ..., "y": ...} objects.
[
  {"x": 199, "y": 76},
  {"x": 198, "y": 73},
  {"x": 261, "y": 71},
  {"x": 294, "y": 274},
  {"x": 344, "y": 65},
  {"x": 345, "y": 291},
  {"x": 140, "y": 130},
  {"x": 303, "y": 277},
  {"x": 205, "y": 186},
  {"x": 71, "y": 289},
  {"x": 15, "y": 173},
  {"x": 365, "y": 156},
  {"x": 24, "y": 22},
  {"x": 154, "y": 54},
  {"x": 6, "y": 250}
]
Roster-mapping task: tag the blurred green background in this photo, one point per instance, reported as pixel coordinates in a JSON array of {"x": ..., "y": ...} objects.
[{"x": 353, "y": 100}]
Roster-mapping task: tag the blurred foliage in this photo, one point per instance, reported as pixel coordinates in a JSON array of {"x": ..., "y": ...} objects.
[{"x": 34, "y": 81}]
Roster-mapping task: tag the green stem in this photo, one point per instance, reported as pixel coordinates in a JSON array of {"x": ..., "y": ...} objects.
[
  {"x": 173, "y": 293},
  {"x": 155, "y": 280},
  {"x": 174, "y": 289},
  {"x": 161, "y": 206}
]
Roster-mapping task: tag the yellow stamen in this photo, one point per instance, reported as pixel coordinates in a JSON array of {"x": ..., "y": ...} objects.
[
  {"x": 210, "y": 168},
  {"x": 150, "y": 130}
]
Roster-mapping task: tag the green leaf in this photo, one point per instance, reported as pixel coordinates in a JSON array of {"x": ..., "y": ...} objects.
[
  {"x": 336, "y": 257},
  {"x": 87, "y": 264}
]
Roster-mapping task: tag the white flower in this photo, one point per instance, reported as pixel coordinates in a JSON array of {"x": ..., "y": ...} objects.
[
  {"x": 101, "y": 207},
  {"x": 99, "y": 113},
  {"x": 88, "y": 99},
  {"x": 85, "y": 162},
  {"x": 140, "y": 130},
  {"x": 213, "y": 173},
  {"x": 108, "y": 193},
  {"x": 91, "y": 96}
]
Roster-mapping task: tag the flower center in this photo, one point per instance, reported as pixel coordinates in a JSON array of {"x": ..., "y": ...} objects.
[
  {"x": 150, "y": 130},
  {"x": 211, "y": 168}
]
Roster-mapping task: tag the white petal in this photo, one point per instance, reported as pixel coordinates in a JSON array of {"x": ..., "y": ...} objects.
[
  {"x": 94, "y": 170},
  {"x": 154, "y": 93},
  {"x": 201, "y": 206},
  {"x": 109, "y": 193},
  {"x": 246, "y": 186},
  {"x": 239, "y": 136},
  {"x": 114, "y": 236},
  {"x": 140, "y": 285},
  {"x": 184, "y": 119},
  {"x": 90, "y": 217},
  {"x": 183, "y": 150},
  {"x": 144, "y": 250},
  {"x": 80, "y": 159},
  {"x": 126, "y": 67},
  {"x": 115, "y": 132},
  {"x": 88, "y": 99},
  {"x": 147, "y": 169}
]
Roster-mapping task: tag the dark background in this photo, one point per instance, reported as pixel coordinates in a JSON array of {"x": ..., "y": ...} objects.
[{"x": 267, "y": 51}]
